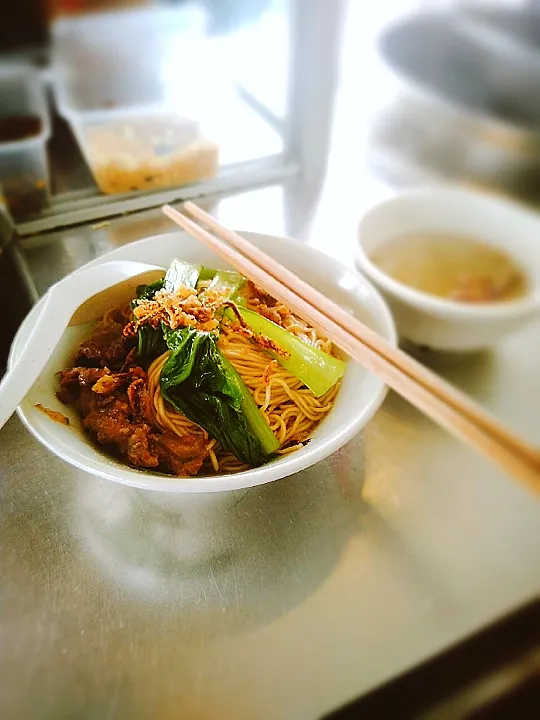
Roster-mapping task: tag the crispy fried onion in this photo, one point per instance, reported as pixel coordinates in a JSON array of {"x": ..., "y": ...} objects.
[
  {"x": 267, "y": 370},
  {"x": 262, "y": 340},
  {"x": 267, "y": 306},
  {"x": 182, "y": 308},
  {"x": 186, "y": 308}
]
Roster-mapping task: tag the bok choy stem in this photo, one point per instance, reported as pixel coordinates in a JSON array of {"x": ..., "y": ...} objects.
[{"x": 318, "y": 370}]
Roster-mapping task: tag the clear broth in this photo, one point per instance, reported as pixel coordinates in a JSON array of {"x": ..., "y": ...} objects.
[{"x": 452, "y": 267}]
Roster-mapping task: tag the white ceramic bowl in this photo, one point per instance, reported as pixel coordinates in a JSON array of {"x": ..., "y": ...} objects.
[
  {"x": 360, "y": 395},
  {"x": 444, "y": 324}
]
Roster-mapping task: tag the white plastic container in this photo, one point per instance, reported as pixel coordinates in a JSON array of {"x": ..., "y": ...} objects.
[
  {"x": 133, "y": 108},
  {"x": 136, "y": 149},
  {"x": 24, "y": 174}
]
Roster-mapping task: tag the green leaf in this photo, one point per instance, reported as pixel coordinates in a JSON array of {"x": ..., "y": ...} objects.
[
  {"x": 147, "y": 292},
  {"x": 199, "y": 382}
]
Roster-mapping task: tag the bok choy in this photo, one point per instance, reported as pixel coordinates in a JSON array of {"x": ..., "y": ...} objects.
[
  {"x": 199, "y": 382},
  {"x": 150, "y": 341},
  {"x": 318, "y": 370}
]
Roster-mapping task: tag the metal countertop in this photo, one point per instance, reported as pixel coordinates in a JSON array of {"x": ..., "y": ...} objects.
[{"x": 280, "y": 602}]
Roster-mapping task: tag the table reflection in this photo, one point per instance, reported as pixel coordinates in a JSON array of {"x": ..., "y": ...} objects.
[{"x": 249, "y": 554}]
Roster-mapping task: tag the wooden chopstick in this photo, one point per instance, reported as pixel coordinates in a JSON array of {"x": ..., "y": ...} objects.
[
  {"x": 437, "y": 399},
  {"x": 397, "y": 357}
]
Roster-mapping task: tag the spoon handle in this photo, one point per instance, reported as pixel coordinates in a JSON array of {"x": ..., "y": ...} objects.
[{"x": 34, "y": 356}]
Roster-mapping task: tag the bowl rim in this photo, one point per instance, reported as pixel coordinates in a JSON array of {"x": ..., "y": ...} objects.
[
  {"x": 291, "y": 464},
  {"x": 431, "y": 303}
]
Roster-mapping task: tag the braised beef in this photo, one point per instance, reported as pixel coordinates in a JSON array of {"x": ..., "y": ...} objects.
[
  {"x": 138, "y": 451},
  {"x": 180, "y": 455},
  {"x": 71, "y": 382},
  {"x": 114, "y": 408},
  {"x": 131, "y": 360},
  {"x": 107, "y": 346},
  {"x": 138, "y": 400}
]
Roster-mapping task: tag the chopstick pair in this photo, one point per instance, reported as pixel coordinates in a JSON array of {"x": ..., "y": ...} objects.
[{"x": 436, "y": 398}]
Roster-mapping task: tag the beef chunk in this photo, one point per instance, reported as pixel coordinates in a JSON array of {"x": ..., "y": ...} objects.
[
  {"x": 131, "y": 360},
  {"x": 101, "y": 380},
  {"x": 71, "y": 382},
  {"x": 109, "y": 429},
  {"x": 138, "y": 450},
  {"x": 138, "y": 400},
  {"x": 107, "y": 346},
  {"x": 180, "y": 455},
  {"x": 111, "y": 423}
]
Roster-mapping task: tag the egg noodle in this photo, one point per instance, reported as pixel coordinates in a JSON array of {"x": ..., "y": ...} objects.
[{"x": 290, "y": 408}]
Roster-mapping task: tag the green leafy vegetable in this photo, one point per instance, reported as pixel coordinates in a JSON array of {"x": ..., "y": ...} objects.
[
  {"x": 150, "y": 342},
  {"x": 206, "y": 273},
  {"x": 181, "y": 273},
  {"x": 199, "y": 382},
  {"x": 226, "y": 281},
  {"x": 147, "y": 292}
]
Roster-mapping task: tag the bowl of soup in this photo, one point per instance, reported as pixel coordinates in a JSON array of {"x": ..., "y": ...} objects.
[{"x": 459, "y": 268}]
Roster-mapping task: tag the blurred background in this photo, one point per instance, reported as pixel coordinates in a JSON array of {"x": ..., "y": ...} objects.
[{"x": 108, "y": 99}]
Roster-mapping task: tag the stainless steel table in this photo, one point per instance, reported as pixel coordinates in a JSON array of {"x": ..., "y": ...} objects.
[
  {"x": 280, "y": 602},
  {"x": 284, "y": 601}
]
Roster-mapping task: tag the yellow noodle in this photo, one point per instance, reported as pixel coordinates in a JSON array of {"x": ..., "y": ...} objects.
[{"x": 291, "y": 410}]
